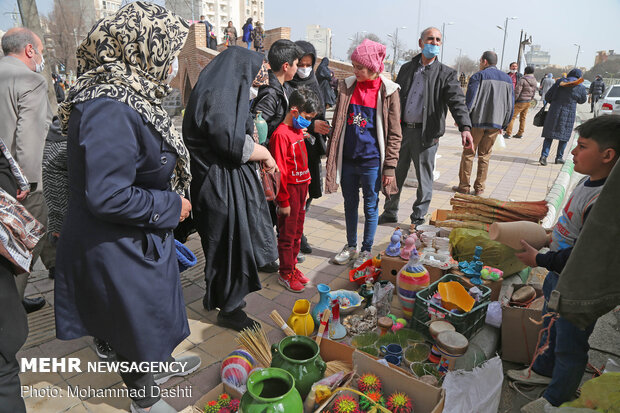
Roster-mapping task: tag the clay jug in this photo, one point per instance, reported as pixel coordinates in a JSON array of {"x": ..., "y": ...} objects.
[
  {"x": 299, "y": 356},
  {"x": 511, "y": 234},
  {"x": 412, "y": 278},
  {"x": 300, "y": 320},
  {"x": 324, "y": 302},
  {"x": 271, "y": 390},
  {"x": 261, "y": 127}
]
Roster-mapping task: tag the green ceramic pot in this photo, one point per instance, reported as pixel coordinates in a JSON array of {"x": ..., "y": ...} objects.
[
  {"x": 271, "y": 390},
  {"x": 261, "y": 127},
  {"x": 299, "y": 356}
]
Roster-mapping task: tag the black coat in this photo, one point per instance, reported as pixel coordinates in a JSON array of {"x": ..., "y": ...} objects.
[
  {"x": 442, "y": 90},
  {"x": 324, "y": 76},
  {"x": 272, "y": 103},
  {"x": 230, "y": 210},
  {"x": 597, "y": 88}
]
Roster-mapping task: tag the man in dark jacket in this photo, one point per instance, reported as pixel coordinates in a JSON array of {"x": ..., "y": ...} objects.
[
  {"x": 428, "y": 89},
  {"x": 514, "y": 74},
  {"x": 597, "y": 88}
]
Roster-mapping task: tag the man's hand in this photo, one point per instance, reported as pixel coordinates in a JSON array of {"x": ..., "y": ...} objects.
[
  {"x": 528, "y": 256},
  {"x": 186, "y": 207},
  {"x": 284, "y": 211},
  {"x": 467, "y": 139},
  {"x": 321, "y": 127},
  {"x": 387, "y": 180},
  {"x": 21, "y": 195}
]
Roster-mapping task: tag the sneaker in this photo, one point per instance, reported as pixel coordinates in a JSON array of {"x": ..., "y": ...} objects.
[
  {"x": 517, "y": 136},
  {"x": 539, "y": 405},
  {"x": 103, "y": 349},
  {"x": 528, "y": 376},
  {"x": 291, "y": 283},
  {"x": 300, "y": 276},
  {"x": 506, "y": 136},
  {"x": 460, "y": 190},
  {"x": 543, "y": 160},
  {"x": 386, "y": 219},
  {"x": 345, "y": 255},
  {"x": 189, "y": 364},
  {"x": 560, "y": 161},
  {"x": 301, "y": 257},
  {"x": 159, "y": 407},
  {"x": 270, "y": 267},
  {"x": 362, "y": 258},
  {"x": 305, "y": 247}
]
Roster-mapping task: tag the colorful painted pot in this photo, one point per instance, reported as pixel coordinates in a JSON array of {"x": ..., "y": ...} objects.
[
  {"x": 408, "y": 283},
  {"x": 271, "y": 390}
]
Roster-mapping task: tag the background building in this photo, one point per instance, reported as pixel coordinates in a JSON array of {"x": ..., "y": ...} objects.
[
  {"x": 321, "y": 39},
  {"x": 537, "y": 57},
  {"x": 603, "y": 56},
  {"x": 220, "y": 12}
]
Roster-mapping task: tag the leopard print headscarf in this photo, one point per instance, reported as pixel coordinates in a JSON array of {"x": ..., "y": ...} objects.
[{"x": 126, "y": 57}]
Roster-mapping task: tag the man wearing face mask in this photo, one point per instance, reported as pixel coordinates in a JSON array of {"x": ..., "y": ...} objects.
[
  {"x": 428, "y": 89},
  {"x": 25, "y": 117},
  {"x": 514, "y": 74}
]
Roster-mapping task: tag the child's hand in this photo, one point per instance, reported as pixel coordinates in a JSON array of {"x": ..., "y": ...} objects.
[
  {"x": 528, "y": 255},
  {"x": 284, "y": 211}
]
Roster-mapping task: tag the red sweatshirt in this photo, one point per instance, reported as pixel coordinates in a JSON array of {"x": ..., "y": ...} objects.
[{"x": 288, "y": 148}]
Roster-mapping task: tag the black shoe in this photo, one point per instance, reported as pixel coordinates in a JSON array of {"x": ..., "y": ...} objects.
[
  {"x": 235, "y": 320},
  {"x": 103, "y": 349},
  {"x": 506, "y": 136},
  {"x": 543, "y": 160},
  {"x": 33, "y": 304},
  {"x": 517, "y": 136},
  {"x": 559, "y": 161},
  {"x": 270, "y": 267},
  {"x": 386, "y": 219},
  {"x": 305, "y": 247},
  {"x": 51, "y": 273}
]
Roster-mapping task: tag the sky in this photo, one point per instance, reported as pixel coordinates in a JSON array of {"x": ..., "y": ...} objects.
[{"x": 555, "y": 25}]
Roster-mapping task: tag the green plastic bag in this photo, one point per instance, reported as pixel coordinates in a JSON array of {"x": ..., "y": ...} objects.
[
  {"x": 494, "y": 254},
  {"x": 601, "y": 394}
]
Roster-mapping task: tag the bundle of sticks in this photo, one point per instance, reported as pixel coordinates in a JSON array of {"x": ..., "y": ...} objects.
[{"x": 470, "y": 211}]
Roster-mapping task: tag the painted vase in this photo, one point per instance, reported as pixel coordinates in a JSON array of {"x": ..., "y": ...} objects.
[
  {"x": 261, "y": 127},
  {"x": 271, "y": 390},
  {"x": 300, "y": 320},
  {"x": 299, "y": 356},
  {"x": 324, "y": 302},
  {"x": 511, "y": 234},
  {"x": 412, "y": 278}
]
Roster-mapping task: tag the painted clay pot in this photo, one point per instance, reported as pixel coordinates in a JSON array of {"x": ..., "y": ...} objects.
[
  {"x": 412, "y": 278},
  {"x": 271, "y": 390},
  {"x": 511, "y": 234},
  {"x": 299, "y": 356},
  {"x": 324, "y": 302},
  {"x": 300, "y": 320}
]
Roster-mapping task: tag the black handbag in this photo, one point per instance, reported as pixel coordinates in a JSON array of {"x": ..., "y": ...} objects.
[{"x": 539, "y": 118}]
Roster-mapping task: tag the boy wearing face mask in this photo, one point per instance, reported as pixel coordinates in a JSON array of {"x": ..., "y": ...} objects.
[{"x": 289, "y": 151}]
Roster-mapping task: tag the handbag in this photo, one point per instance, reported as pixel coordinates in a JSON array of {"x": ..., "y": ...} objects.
[
  {"x": 271, "y": 183},
  {"x": 539, "y": 118}
]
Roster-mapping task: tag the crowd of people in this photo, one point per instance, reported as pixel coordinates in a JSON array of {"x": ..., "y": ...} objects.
[{"x": 116, "y": 190}]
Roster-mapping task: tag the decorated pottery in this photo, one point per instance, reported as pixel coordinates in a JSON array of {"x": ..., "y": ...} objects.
[
  {"x": 412, "y": 278},
  {"x": 324, "y": 302},
  {"x": 511, "y": 234},
  {"x": 271, "y": 390}
]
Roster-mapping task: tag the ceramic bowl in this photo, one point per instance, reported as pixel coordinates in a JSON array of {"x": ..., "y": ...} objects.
[
  {"x": 354, "y": 298},
  {"x": 417, "y": 353},
  {"x": 364, "y": 340}
]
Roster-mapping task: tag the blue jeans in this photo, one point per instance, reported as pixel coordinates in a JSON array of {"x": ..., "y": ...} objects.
[
  {"x": 547, "y": 146},
  {"x": 567, "y": 356},
  {"x": 352, "y": 177},
  {"x": 249, "y": 45}
]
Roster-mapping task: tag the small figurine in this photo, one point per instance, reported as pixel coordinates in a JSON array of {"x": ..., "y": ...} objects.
[
  {"x": 409, "y": 247},
  {"x": 393, "y": 250},
  {"x": 369, "y": 382},
  {"x": 399, "y": 403},
  {"x": 366, "y": 291},
  {"x": 473, "y": 268},
  {"x": 384, "y": 324},
  {"x": 336, "y": 330}
]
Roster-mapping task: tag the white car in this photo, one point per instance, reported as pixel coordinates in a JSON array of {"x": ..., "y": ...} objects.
[{"x": 609, "y": 103}]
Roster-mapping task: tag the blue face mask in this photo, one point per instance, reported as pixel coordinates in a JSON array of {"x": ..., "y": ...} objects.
[
  {"x": 300, "y": 122},
  {"x": 431, "y": 50}
]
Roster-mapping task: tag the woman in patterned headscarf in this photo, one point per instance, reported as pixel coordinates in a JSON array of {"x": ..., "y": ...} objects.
[{"x": 117, "y": 276}]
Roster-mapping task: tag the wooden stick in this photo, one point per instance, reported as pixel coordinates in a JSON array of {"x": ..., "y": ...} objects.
[
  {"x": 326, "y": 313},
  {"x": 280, "y": 323}
]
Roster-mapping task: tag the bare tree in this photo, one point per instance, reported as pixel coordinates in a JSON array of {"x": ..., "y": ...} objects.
[
  {"x": 466, "y": 65},
  {"x": 67, "y": 27},
  {"x": 409, "y": 54},
  {"x": 358, "y": 38}
]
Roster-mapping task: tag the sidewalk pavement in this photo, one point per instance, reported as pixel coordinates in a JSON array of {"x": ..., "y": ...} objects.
[{"x": 514, "y": 173}]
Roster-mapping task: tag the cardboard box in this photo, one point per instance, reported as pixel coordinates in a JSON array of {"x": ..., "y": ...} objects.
[
  {"x": 390, "y": 267},
  {"x": 426, "y": 398},
  {"x": 519, "y": 328},
  {"x": 439, "y": 215},
  {"x": 212, "y": 395}
]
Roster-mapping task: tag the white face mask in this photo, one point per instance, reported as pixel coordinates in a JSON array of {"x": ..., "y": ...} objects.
[
  {"x": 304, "y": 72},
  {"x": 513, "y": 71},
  {"x": 39, "y": 66},
  {"x": 175, "y": 70},
  {"x": 253, "y": 92}
]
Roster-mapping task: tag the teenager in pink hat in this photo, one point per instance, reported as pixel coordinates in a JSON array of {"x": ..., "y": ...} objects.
[{"x": 364, "y": 145}]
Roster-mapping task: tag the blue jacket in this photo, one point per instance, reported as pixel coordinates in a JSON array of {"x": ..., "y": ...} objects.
[
  {"x": 490, "y": 99},
  {"x": 247, "y": 32},
  {"x": 561, "y": 116}
]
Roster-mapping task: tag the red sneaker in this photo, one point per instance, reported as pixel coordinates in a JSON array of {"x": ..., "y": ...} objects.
[
  {"x": 291, "y": 283},
  {"x": 300, "y": 276}
]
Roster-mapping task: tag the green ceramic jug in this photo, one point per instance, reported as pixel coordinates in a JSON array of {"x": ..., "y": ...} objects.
[
  {"x": 261, "y": 127},
  {"x": 299, "y": 356},
  {"x": 271, "y": 390}
]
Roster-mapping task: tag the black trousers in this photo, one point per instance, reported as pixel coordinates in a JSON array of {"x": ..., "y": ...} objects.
[{"x": 13, "y": 334}]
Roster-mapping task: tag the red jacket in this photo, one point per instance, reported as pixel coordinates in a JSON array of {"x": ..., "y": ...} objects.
[{"x": 289, "y": 150}]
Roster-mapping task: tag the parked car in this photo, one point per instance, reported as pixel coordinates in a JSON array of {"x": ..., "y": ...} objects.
[
  {"x": 609, "y": 103},
  {"x": 586, "y": 84}
]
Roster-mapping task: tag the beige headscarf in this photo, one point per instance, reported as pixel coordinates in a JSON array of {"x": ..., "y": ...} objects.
[{"x": 126, "y": 57}]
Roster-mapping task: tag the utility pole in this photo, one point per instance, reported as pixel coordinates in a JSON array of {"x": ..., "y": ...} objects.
[
  {"x": 523, "y": 41},
  {"x": 458, "y": 63}
]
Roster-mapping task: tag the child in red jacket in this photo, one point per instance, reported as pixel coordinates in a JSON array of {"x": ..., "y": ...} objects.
[{"x": 289, "y": 150}]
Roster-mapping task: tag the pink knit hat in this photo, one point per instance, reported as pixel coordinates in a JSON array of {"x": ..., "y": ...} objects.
[{"x": 370, "y": 54}]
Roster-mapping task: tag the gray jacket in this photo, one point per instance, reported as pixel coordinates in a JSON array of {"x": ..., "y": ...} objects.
[
  {"x": 526, "y": 88},
  {"x": 545, "y": 85},
  {"x": 25, "y": 115},
  {"x": 490, "y": 99}
]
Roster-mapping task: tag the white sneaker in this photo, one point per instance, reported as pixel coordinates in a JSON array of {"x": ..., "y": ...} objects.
[
  {"x": 540, "y": 405},
  {"x": 362, "y": 258},
  {"x": 347, "y": 254},
  {"x": 528, "y": 376}
]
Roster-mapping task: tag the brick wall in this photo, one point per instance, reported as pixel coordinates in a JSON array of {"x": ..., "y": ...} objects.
[
  {"x": 272, "y": 35},
  {"x": 341, "y": 69}
]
